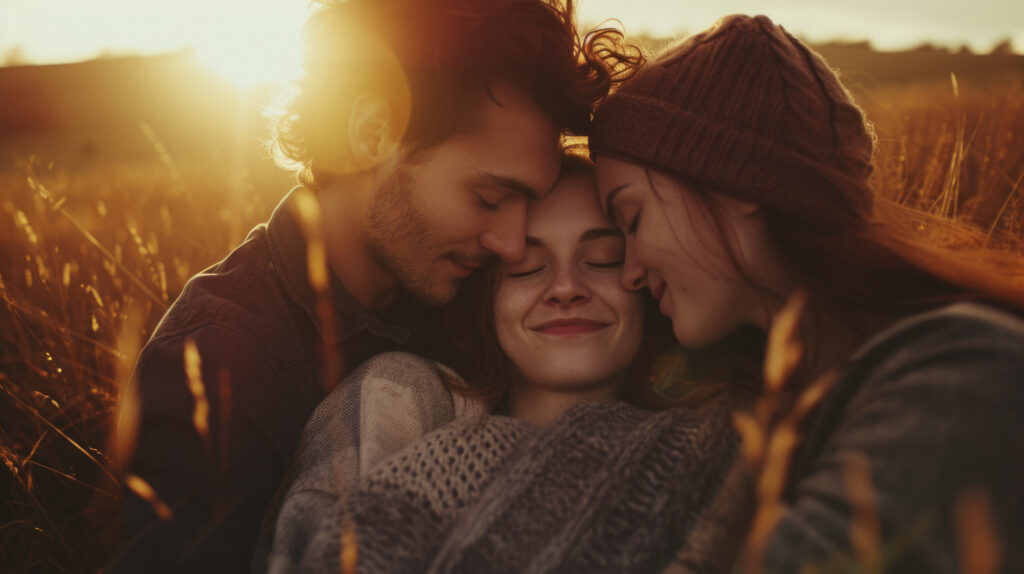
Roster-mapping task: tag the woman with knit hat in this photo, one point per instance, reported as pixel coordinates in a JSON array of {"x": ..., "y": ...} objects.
[{"x": 738, "y": 167}]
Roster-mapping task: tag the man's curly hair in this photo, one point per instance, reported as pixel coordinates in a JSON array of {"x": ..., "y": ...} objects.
[{"x": 429, "y": 58}]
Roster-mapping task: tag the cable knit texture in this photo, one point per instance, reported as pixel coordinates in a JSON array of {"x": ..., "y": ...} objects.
[
  {"x": 405, "y": 508},
  {"x": 607, "y": 487},
  {"x": 621, "y": 488},
  {"x": 749, "y": 110}
]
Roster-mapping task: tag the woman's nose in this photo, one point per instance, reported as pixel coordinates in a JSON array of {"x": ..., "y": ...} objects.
[{"x": 567, "y": 287}]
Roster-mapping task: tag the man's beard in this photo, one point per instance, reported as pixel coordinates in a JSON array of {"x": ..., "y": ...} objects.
[{"x": 400, "y": 240}]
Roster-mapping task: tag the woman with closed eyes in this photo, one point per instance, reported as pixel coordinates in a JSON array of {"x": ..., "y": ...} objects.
[
  {"x": 542, "y": 335},
  {"x": 556, "y": 327},
  {"x": 738, "y": 167}
]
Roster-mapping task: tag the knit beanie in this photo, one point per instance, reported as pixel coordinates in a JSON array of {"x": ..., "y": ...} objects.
[{"x": 751, "y": 112}]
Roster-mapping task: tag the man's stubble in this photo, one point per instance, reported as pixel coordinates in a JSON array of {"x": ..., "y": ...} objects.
[{"x": 401, "y": 241}]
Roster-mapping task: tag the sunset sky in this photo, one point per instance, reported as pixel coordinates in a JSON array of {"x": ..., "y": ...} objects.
[{"x": 255, "y": 40}]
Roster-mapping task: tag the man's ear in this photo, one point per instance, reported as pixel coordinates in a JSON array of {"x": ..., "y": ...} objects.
[{"x": 370, "y": 131}]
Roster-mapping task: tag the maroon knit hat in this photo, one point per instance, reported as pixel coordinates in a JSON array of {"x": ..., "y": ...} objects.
[{"x": 750, "y": 111}]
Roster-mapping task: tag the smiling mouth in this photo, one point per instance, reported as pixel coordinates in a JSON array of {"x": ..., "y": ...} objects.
[{"x": 570, "y": 327}]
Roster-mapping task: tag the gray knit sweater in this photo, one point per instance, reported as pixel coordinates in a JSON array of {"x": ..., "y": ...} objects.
[{"x": 606, "y": 488}]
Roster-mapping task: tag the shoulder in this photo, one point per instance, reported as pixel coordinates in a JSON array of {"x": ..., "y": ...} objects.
[
  {"x": 241, "y": 295},
  {"x": 227, "y": 363},
  {"x": 962, "y": 345},
  {"x": 963, "y": 338},
  {"x": 402, "y": 373},
  {"x": 393, "y": 390},
  {"x": 234, "y": 314},
  {"x": 955, "y": 363},
  {"x": 949, "y": 374},
  {"x": 207, "y": 345},
  {"x": 388, "y": 402},
  {"x": 932, "y": 406},
  {"x": 221, "y": 363},
  {"x": 425, "y": 382},
  {"x": 957, "y": 327}
]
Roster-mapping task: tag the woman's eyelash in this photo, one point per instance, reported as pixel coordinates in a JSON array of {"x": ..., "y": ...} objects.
[
  {"x": 525, "y": 273},
  {"x": 605, "y": 264},
  {"x": 487, "y": 204}
]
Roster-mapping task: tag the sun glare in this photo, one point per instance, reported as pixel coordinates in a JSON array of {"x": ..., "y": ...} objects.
[
  {"x": 271, "y": 60},
  {"x": 249, "y": 43}
]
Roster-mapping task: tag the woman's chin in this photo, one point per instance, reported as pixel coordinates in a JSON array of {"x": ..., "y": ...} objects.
[
  {"x": 572, "y": 375},
  {"x": 691, "y": 335}
]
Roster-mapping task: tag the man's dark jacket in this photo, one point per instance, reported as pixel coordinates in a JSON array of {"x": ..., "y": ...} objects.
[{"x": 252, "y": 318}]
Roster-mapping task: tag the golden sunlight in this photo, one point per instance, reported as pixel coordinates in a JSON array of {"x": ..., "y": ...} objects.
[
  {"x": 252, "y": 45},
  {"x": 245, "y": 42},
  {"x": 252, "y": 42},
  {"x": 270, "y": 59}
]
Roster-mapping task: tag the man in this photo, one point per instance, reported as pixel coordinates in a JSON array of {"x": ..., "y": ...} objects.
[{"x": 421, "y": 129}]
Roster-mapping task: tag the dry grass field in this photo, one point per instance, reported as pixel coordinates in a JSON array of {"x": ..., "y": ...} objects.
[{"x": 98, "y": 235}]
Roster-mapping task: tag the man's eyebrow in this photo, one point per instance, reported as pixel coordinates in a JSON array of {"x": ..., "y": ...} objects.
[
  {"x": 510, "y": 184},
  {"x": 611, "y": 195}
]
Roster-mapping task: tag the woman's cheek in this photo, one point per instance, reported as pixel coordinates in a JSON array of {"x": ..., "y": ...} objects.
[
  {"x": 508, "y": 304},
  {"x": 628, "y": 305}
]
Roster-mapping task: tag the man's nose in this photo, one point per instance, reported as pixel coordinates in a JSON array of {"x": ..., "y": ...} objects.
[{"x": 506, "y": 236}]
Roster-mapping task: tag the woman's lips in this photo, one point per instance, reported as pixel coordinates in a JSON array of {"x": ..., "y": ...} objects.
[{"x": 568, "y": 327}]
